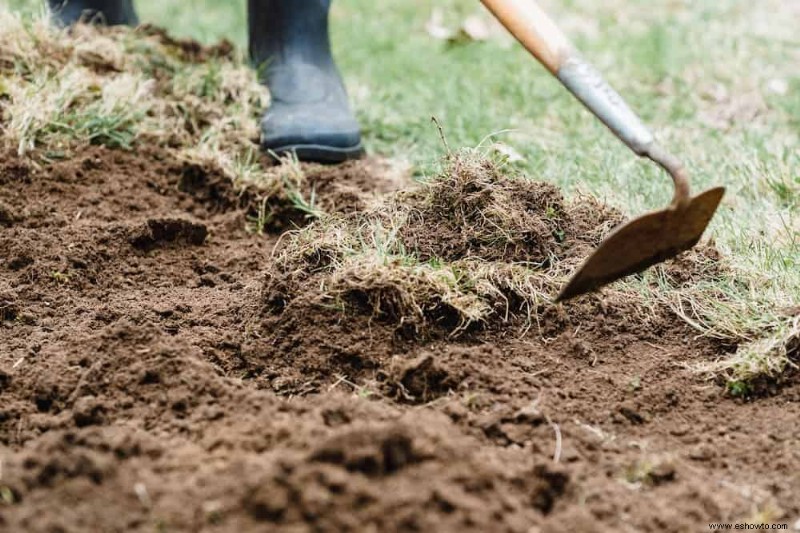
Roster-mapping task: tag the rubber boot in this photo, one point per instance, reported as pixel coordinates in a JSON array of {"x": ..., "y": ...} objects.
[
  {"x": 111, "y": 12},
  {"x": 310, "y": 114}
]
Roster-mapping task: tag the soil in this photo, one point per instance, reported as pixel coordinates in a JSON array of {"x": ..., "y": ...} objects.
[
  {"x": 144, "y": 386},
  {"x": 476, "y": 211}
]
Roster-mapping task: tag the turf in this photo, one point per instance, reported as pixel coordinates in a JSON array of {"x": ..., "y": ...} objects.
[{"x": 717, "y": 79}]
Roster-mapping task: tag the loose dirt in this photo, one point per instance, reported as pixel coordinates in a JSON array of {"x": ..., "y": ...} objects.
[{"x": 147, "y": 383}]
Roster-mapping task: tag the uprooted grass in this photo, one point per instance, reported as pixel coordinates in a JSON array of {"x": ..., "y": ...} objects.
[
  {"x": 113, "y": 86},
  {"x": 471, "y": 247},
  {"x": 767, "y": 339},
  {"x": 474, "y": 247},
  {"x": 61, "y": 90},
  {"x": 758, "y": 366},
  {"x": 756, "y": 326},
  {"x": 471, "y": 210}
]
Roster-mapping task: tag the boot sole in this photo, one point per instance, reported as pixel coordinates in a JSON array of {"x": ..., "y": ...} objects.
[{"x": 317, "y": 153}]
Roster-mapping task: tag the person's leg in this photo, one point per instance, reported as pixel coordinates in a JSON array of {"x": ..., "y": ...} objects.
[
  {"x": 310, "y": 114},
  {"x": 110, "y": 12}
]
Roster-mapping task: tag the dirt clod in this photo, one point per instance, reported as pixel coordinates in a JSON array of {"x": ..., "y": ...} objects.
[
  {"x": 421, "y": 379},
  {"x": 155, "y": 233},
  {"x": 474, "y": 210}
]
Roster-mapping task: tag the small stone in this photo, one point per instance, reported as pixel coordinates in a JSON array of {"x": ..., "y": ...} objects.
[
  {"x": 662, "y": 473},
  {"x": 529, "y": 414},
  {"x": 701, "y": 453},
  {"x": 88, "y": 411},
  {"x": 681, "y": 430},
  {"x": 778, "y": 86}
]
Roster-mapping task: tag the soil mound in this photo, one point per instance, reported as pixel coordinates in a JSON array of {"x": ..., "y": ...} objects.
[
  {"x": 378, "y": 296},
  {"x": 473, "y": 210},
  {"x": 472, "y": 248}
]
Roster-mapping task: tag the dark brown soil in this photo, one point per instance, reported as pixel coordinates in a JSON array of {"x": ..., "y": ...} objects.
[
  {"x": 143, "y": 386},
  {"x": 476, "y": 211}
]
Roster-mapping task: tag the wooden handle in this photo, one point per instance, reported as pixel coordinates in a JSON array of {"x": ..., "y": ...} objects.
[{"x": 534, "y": 29}]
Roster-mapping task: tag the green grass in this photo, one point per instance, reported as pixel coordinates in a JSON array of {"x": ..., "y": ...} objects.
[{"x": 719, "y": 81}]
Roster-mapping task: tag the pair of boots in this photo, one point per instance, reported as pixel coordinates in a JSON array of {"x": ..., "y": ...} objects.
[{"x": 289, "y": 42}]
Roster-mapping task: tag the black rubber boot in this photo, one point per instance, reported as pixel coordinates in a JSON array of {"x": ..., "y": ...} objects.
[
  {"x": 310, "y": 114},
  {"x": 111, "y": 12}
]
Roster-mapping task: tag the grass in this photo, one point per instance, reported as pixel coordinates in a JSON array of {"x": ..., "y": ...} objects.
[
  {"x": 116, "y": 87},
  {"x": 717, "y": 79},
  {"x": 474, "y": 247}
]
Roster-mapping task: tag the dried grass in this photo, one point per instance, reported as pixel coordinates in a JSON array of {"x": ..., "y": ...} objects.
[
  {"x": 454, "y": 254},
  {"x": 759, "y": 364},
  {"x": 64, "y": 89}
]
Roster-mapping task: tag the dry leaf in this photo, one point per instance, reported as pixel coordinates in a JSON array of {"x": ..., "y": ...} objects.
[
  {"x": 473, "y": 28},
  {"x": 778, "y": 86},
  {"x": 476, "y": 28},
  {"x": 511, "y": 155},
  {"x": 436, "y": 28}
]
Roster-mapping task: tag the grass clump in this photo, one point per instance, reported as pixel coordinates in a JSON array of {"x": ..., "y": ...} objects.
[
  {"x": 472, "y": 210},
  {"x": 471, "y": 247},
  {"x": 116, "y": 87},
  {"x": 753, "y": 315},
  {"x": 123, "y": 88},
  {"x": 759, "y": 365}
]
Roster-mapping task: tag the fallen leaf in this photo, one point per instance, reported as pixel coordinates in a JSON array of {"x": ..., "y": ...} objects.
[
  {"x": 511, "y": 155},
  {"x": 436, "y": 28},
  {"x": 476, "y": 28},
  {"x": 778, "y": 86},
  {"x": 473, "y": 28}
]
